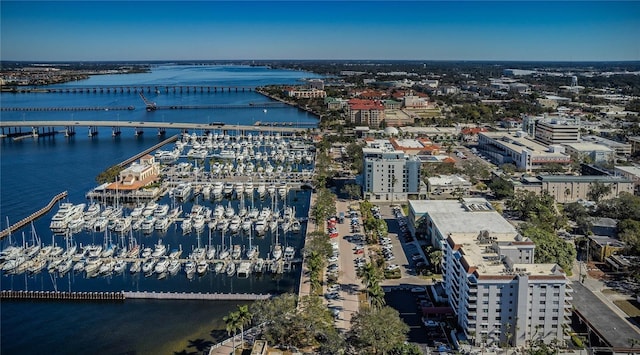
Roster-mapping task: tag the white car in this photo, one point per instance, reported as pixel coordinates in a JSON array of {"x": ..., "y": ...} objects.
[
  {"x": 333, "y": 259},
  {"x": 333, "y": 288},
  {"x": 392, "y": 267}
]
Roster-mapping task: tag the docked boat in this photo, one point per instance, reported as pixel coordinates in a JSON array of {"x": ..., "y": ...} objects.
[
  {"x": 186, "y": 226},
  {"x": 231, "y": 268},
  {"x": 277, "y": 252},
  {"x": 228, "y": 189},
  {"x": 92, "y": 265},
  {"x": 37, "y": 266},
  {"x": 175, "y": 254},
  {"x": 161, "y": 211},
  {"x": 159, "y": 250},
  {"x": 107, "y": 267},
  {"x": 224, "y": 254},
  {"x": 252, "y": 252},
  {"x": 137, "y": 211},
  {"x": 92, "y": 211},
  {"x": 162, "y": 265},
  {"x": 79, "y": 266},
  {"x": 137, "y": 224},
  {"x": 162, "y": 224},
  {"x": 146, "y": 252},
  {"x": 135, "y": 267},
  {"x": 202, "y": 266},
  {"x": 198, "y": 223},
  {"x": 234, "y": 226},
  {"x": 100, "y": 224},
  {"x": 93, "y": 251},
  {"x": 217, "y": 189},
  {"x": 148, "y": 224},
  {"x": 174, "y": 267},
  {"x": 190, "y": 268},
  {"x": 239, "y": 188},
  {"x": 149, "y": 266},
  {"x": 262, "y": 189},
  {"x": 289, "y": 253},
  {"x": 246, "y": 225},
  {"x": 122, "y": 225},
  {"x": 218, "y": 267},
  {"x": 211, "y": 253},
  {"x": 236, "y": 252},
  {"x": 199, "y": 253},
  {"x": 120, "y": 266},
  {"x": 258, "y": 266}
]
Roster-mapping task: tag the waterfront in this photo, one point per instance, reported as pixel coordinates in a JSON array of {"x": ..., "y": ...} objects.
[{"x": 32, "y": 171}]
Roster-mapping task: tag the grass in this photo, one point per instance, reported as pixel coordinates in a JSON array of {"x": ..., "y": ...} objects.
[{"x": 628, "y": 307}]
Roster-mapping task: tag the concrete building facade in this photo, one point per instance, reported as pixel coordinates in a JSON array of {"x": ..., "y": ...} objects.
[
  {"x": 567, "y": 189},
  {"x": 389, "y": 174}
]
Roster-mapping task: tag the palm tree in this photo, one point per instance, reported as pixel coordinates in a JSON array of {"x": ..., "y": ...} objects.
[
  {"x": 376, "y": 296},
  {"x": 370, "y": 275},
  {"x": 244, "y": 318},
  {"x": 232, "y": 324},
  {"x": 393, "y": 186},
  {"x": 435, "y": 258}
]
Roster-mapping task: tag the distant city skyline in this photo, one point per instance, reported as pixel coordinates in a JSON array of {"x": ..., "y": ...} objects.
[{"x": 265, "y": 30}]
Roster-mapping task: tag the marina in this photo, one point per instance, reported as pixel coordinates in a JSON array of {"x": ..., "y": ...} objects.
[{"x": 72, "y": 163}]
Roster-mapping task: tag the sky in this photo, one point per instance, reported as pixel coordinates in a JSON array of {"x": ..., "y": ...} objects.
[{"x": 383, "y": 30}]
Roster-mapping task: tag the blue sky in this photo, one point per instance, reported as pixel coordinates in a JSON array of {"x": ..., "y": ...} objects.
[{"x": 429, "y": 30}]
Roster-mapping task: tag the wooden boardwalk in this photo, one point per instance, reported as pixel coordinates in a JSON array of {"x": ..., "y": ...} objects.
[
  {"x": 32, "y": 217},
  {"x": 123, "y": 295}
]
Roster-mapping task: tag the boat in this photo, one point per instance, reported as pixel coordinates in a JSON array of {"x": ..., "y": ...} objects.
[
  {"x": 190, "y": 268},
  {"x": 175, "y": 254},
  {"x": 258, "y": 266},
  {"x": 282, "y": 191},
  {"x": 289, "y": 253},
  {"x": 252, "y": 252},
  {"x": 92, "y": 265},
  {"x": 159, "y": 250},
  {"x": 277, "y": 252},
  {"x": 149, "y": 208},
  {"x": 244, "y": 269},
  {"x": 162, "y": 224},
  {"x": 229, "y": 211},
  {"x": 137, "y": 224},
  {"x": 202, "y": 266},
  {"x": 148, "y": 224},
  {"x": 120, "y": 266},
  {"x": 198, "y": 223},
  {"x": 107, "y": 267},
  {"x": 92, "y": 211},
  {"x": 218, "y": 188},
  {"x": 199, "y": 253},
  {"x": 93, "y": 251},
  {"x": 108, "y": 251},
  {"x": 100, "y": 224},
  {"x": 162, "y": 265},
  {"x": 137, "y": 211},
  {"x": 174, "y": 267},
  {"x": 161, "y": 211},
  {"x": 186, "y": 226},
  {"x": 236, "y": 252},
  {"x": 135, "y": 267},
  {"x": 149, "y": 266},
  {"x": 36, "y": 266},
  {"x": 239, "y": 188},
  {"x": 211, "y": 253},
  {"x": 234, "y": 226},
  {"x": 231, "y": 268},
  {"x": 224, "y": 254},
  {"x": 228, "y": 188},
  {"x": 246, "y": 225},
  {"x": 218, "y": 267},
  {"x": 146, "y": 252},
  {"x": 79, "y": 266},
  {"x": 262, "y": 189},
  {"x": 122, "y": 225}
]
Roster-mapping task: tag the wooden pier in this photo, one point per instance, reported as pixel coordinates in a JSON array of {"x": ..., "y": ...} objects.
[
  {"x": 197, "y": 296},
  {"x": 149, "y": 150},
  {"x": 32, "y": 217},
  {"x": 123, "y": 295},
  {"x": 62, "y": 296},
  {"x": 44, "y": 109}
]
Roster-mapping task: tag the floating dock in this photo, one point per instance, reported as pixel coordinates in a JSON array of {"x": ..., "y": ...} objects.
[{"x": 32, "y": 217}]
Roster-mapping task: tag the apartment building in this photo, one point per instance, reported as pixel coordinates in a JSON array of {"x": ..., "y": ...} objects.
[
  {"x": 557, "y": 132},
  {"x": 569, "y": 188},
  {"x": 496, "y": 291},
  {"x": 389, "y": 174},
  {"x": 366, "y": 112},
  {"x": 518, "y": 149}
]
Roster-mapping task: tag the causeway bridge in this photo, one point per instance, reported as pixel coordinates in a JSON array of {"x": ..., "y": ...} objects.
[
  {"x": 132, "y": 89},
  {"x": 35, "y": 128}
]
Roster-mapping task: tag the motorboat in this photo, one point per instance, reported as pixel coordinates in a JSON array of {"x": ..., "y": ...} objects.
[
  {"x": 120, "y": 266},
  {"x": 159, "y": 250},
  {"x": 174, "y": 267},
  {"x": 135, "y": 267},
  {"x": 236, "y": 252},
  {"x": 277, "y": 252},
  {"x": 202, "y": 266},
  {"x": 161, "y": 265},
  {"x": 289, "y": 252},
  {"x": 149, "y": 265},
  {"x": 231, "y": 268},
  {"x": 190, "y": 268}
]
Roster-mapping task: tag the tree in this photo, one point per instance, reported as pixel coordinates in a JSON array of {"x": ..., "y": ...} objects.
[
  {"x": 501, "y": 188},
  {"x": 598, "y": 190},
  {"x": 370, "y": 274},
  {"x": 244, "y": 318},
  {"x": 377, "y": 331},
  {"x": 232, "y": 322},
  {"x": 475, "y": 170},
  {"x": 549, "y": 248},
  {"x": 325, "y": 206},
  {"x": 353, "y": 191},
  {"x": 629, "y": 233},
  {"x": 109, "y": 175},
  {"x": 435, "y": 258}
]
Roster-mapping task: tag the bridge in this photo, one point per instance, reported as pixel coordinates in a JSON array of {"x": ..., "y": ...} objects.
[
  {"x": 69, "y": 126},
  {"x": 131, "y": 89}
]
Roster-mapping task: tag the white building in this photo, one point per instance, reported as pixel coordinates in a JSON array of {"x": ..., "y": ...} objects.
[
  {"x": 389, "y": 174},
  {"x": 516, "y": 148},
  {"x": 496, "y": 291},
  {"x": 597, "y": 152},
  {"x": 448, "y": 184}
]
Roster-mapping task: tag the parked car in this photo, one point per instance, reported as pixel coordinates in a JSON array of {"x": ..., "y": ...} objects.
[{"x": 418, "y": 290}]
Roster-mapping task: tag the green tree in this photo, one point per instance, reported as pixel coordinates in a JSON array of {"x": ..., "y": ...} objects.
[
  {"x": 244, "y": 318},
  {"x": 435, "y": 258},
  {"x": 549, "y": 248},
  {"x": 109, "y": 175},
  {"x": 376, "y": 296},
  {"x": 353, "y": 191},
  {"x": 475, "y": 170},
  {"x": 324, "y": 206},
  {"x": 501, "y": 188},
  {"x": 232, "y": 323},
  {"x": 377, "y": 331},
  {"x": 598, "y": 190},
  {"x": 629, "y": 233}
]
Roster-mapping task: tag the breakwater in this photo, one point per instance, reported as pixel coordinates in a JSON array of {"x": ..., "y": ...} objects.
[{"x": 35, "y": 215}]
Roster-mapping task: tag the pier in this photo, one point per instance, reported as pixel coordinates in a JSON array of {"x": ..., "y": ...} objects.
[
  {"x": 44, "y": 109},
  {"x": 148, "y": 150},
  {"x": 123, "y": 295},
  {"x": 197, "y": 296},
  {"x": 32, "y": 217}
]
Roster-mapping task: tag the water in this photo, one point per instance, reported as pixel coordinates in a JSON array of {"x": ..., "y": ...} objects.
[{"x": 33, "y": 171}]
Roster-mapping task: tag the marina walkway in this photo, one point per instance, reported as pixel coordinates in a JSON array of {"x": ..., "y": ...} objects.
[
  {"x": 32, "y": 217},
  {"x": 123, "y": 295}
]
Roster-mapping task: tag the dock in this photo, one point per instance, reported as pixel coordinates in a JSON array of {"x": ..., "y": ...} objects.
[
  {"x": 32, "y": 217},
  {"x": 123, "y": 295},
  {"x": 148, "y": 150}
]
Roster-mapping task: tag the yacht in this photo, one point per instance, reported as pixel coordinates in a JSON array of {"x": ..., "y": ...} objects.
[
  {"x": 246, "y": 225},
  {"x": 231, "y": 268},
  {"x": 161, "y": 211},
  {"x": 190, "y": 268},
  {"x": 159, "y": 250},
  {"x": 199, "y": 253},
  {"x": 228, "y": 188},
  {"x": 202, "y": 266},
  {"x": 174, "y": 267},
  {"x": 92, "y": 265},
  {"x": 149, "y": 209},
  {"x": 239, "y": 187},
  {"x": 135, "y": 267},
  {"x": 224, "y": 254},
  {"x": 122, "y": 225},
  {"x": 186, "y": 226},
  {"x": 198, "y": 223},
  {"x": 120, "y": 266},
  {"x": 258, "y": 267},
  {"x": 277, "y": 252},
  {"x": 93, "y": 251},
  {"x": 79, "y": 266},
  {"x": 234, "y": 226},
  {"x": 149, "y": 266},
  {"x": 217, "y": 190},
  {"x": 137, "y": 211},
  {"x": 175, "y": 254},
  {"x": 218, "y": 267},
  {"x": 162, "y": 224},
  {"x": 236, "y": 252},
  {"x": 211, "y": 253},
  {"x": 107, "y": 267},
  {"x": 229, "y": 211},
  {"x": 146, "y": 252},
  {"x": 100, "y": 224},
  {"x": 262, "y": 189},
  {"x": 162, "y": 265},
  {"x": 148, "y": 224},
  {"x": 289, "y": 253},
  {"x": 252, "y": 252},
  {"x": 92, "y": 211}
]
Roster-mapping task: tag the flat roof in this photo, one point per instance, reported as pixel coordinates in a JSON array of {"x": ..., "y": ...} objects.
[
  {"x": 517, "y": 144},
  {"x": 451, "y": 216},
  {"x": 588, "y": 146},
  {"x": 582, "y": 178},
  {"x": 633, "y": 170}
]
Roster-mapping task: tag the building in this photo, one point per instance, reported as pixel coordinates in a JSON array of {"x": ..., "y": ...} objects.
[
  {"x": 137, "y": 175},
  {"x": 317, "y": 84},
  {"x": 518, "y": 149},
  {"x": 389, "y": 174},
  {"x": 366, "y": 112},
  {"x": 496, "y": 291},
  {"x": 448, "y": 184},
  {"x": 597, "y": 152},
  {"x": 569, "y": 188},
  {"x": 632, "y": 173},
  {"x": 335, "y": 104},
  {"x": 635, "y": 144},
  {"x": 602, "y": 247},
  {"x": 302, "y": 93},
  {"x": 556, "y": 132},
  {"x": 619, "y": 148}
]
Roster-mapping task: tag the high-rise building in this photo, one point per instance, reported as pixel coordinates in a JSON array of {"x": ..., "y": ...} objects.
[{"x": 389, "y": 174}]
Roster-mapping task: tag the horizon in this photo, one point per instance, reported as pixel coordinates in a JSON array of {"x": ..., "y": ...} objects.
[{"x": 320, "y": 30}]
